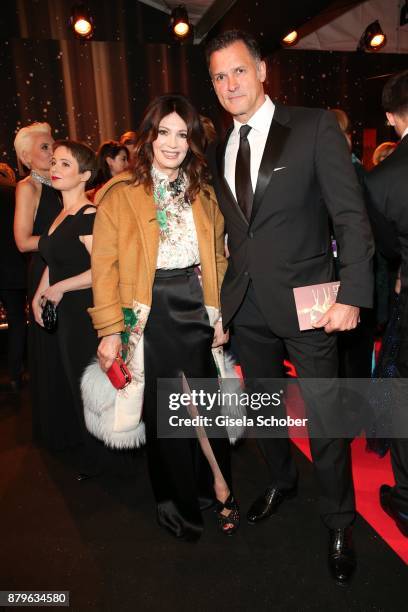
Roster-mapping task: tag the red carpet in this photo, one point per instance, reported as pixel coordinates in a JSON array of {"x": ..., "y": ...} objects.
[{"x": 369, "y": 473}]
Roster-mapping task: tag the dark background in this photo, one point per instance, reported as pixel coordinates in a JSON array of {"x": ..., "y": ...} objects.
[{"x": 96, "y": 90}]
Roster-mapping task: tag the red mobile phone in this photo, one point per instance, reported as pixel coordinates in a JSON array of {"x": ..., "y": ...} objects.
[{"x": 119, "y": 374}]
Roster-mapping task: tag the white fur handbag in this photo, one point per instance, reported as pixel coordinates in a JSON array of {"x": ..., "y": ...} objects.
[{"x": 102, "y": 419}]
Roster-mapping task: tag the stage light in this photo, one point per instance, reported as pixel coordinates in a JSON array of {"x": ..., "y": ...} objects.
[
  {"x": 373, "y": 38},
  {"x": 82, "y": 22},
  {"x": 179, "y": 22},
  {"x": 290, "y": 39},
  {"x": 82, "y": 27}
]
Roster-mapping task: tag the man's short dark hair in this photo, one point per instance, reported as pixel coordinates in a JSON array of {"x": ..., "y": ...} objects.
[
  {"x": 395, "y": 94},
  {"x": 224, "y": 40}
]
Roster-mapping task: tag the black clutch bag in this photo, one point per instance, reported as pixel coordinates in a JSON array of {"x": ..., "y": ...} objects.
[{"x": 49, "y": 316}]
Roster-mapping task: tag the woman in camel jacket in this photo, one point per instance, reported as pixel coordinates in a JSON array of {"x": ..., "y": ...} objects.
[
  {"x": 157, "y": 231},
  {"x": 126, "y": 241}
]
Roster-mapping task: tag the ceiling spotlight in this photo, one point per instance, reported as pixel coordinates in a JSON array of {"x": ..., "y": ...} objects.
[
  {"x": 179, "y": 22},
  {"x": 82, "y": 22},
  {"x": 373, "y": 38},
  {"x": 290, "y": 39}
]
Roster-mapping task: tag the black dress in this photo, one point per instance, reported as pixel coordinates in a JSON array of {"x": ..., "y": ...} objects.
[
  {"x": 67, "y": 256},
  {"x": 54, "y": 425}
]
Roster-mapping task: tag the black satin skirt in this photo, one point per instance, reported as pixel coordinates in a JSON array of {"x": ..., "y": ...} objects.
[{"x": 177, "y": 339}]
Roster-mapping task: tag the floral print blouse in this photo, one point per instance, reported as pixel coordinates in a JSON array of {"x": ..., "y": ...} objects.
[{"x": 178, "y": 246}]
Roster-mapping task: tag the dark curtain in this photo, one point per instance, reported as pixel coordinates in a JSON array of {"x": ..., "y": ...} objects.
[
  {"x": 324, "y": 79},
  {"x": 93, "y": 91}
]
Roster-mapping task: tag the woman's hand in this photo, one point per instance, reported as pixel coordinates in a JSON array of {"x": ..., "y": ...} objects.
[
  {"x": 220, "y": 337},
  {"x": 37, "y": 309},
  {"x": 53, "y": 294},
  {"x": 108, "y": 350}
]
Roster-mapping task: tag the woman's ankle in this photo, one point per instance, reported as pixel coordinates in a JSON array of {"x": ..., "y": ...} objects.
[{"x": 222, "y": 491}]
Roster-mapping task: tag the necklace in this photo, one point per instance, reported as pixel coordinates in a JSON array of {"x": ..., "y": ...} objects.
[
  {"x": 177, "y": 186},
  {"x": 40, "y": 179},
  {"x": 170, "y": 201}
]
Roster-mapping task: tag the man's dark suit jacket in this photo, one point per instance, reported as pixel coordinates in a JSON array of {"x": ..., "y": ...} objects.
[
  {"x": 12, "y": 263},
  {"x": 305, "y": 176},
  {"x": 387, "y": 187}
]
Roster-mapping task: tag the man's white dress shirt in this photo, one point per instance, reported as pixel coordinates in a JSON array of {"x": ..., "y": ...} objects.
[{"x": 260, "y": 123}]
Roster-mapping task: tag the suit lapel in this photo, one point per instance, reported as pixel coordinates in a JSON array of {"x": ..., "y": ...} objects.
[
  {"x": 226, "y": 193},
  {"x": 277, "y": 137}
]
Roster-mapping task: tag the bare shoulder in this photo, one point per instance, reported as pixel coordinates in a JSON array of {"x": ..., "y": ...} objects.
[
  {"x": 91, "y": 210},
  {"x": 28, "y": 186}
]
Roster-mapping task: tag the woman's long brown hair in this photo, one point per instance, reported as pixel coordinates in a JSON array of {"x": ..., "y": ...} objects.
[{"x": 194, "y": 164}]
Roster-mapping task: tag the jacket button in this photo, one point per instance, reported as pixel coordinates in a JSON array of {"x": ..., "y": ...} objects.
[{"x": 251, "y": 235}]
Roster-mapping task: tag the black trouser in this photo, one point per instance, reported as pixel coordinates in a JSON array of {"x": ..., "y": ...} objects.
[
  {"x": 356, "y": 348},
  {"x": 399, "y": 446},
  {"x": 178, "y": 339},
  {"x": 14, "y": 302},
  {"x": 314, "y": 354}
]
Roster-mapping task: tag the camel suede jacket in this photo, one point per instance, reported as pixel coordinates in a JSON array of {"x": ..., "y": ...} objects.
[{"x": 125, "y": 249}]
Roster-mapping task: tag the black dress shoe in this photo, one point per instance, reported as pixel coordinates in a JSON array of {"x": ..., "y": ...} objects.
[
  {"x": 387, "y": 506},
  {"x": 268, "y": 503},
  {"x": 342, "y": 558}
]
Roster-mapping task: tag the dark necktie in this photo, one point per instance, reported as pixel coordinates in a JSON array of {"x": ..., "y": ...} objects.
[{"x": 243, "y": 184}]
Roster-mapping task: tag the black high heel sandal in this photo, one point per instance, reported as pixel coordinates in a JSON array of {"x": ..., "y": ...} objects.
[{"x": 233, "y": 517}]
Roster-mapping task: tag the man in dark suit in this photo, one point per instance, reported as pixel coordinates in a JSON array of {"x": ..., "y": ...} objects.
[
  {"x": 280, "y": 174},
  {"x": 13, "y": 282},
  {"x": 387, "y": 187}
]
